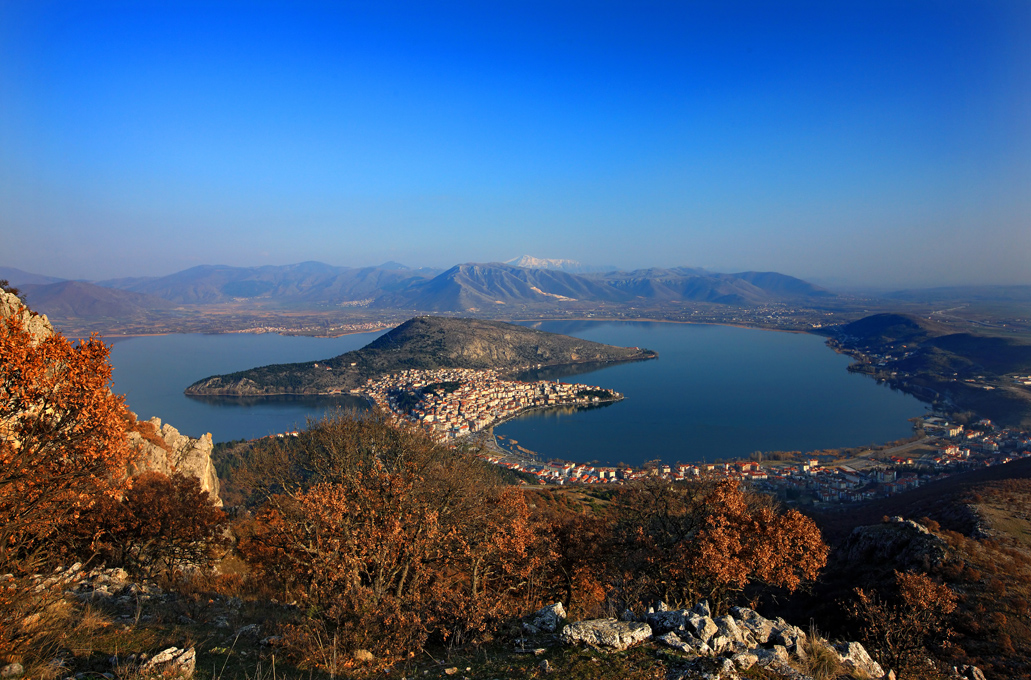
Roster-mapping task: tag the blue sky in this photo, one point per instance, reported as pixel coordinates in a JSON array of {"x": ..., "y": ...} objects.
[{"x": 860, "y": 143}]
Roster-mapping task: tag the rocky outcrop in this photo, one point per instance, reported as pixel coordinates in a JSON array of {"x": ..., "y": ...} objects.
[
  {"x": 37, "y": 324},
  {"x": 163, "y": 449},
  {"x": 724, "y": 646},
  {"x": 896, "y": 543},
  {"x": 171, "y": 663},
  {"x": 546, "y": 620},
  {"x": 611, "y": 634}
]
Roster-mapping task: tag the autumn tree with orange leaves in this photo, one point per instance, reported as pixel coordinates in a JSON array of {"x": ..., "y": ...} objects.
[
  {"x": 708, "y": 540},
  {"x": 62, "y": 435},
  {"x": 389, "y": 540}
]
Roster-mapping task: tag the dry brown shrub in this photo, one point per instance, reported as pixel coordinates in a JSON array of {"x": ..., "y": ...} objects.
[
  {"x": 33, "y": 621},
  {"x": 685, "y": 542},
  {"x": 900, "y": 630},
  {"x": 820, "y": 661},
  {"x": 161, "y": 525},
  {"x": 388, "y": 539}
]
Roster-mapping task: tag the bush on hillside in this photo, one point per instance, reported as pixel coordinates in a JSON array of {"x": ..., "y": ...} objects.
[
  {"x": 685, "y": 542},
  {"x": 900, "y": 630},
  {"x": 161, "y": 525},
  {"x": 390, "y": 540}
]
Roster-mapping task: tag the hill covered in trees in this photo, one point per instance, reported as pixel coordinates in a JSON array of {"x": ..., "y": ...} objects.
[
  {"x": 960, "y": 372},
  {"x": 421, "y": 343}
]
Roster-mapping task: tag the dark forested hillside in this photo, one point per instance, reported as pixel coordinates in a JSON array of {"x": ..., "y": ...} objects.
[{"x": 421, "y": 343}]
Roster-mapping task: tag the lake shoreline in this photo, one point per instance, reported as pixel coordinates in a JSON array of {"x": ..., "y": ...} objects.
[
  {"x": 116, "y": 337},
  {"x": 719, "y": 392}
]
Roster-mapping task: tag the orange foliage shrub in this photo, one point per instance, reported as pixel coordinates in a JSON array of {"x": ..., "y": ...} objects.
[
  {"x": 899, "y": 631},
  {"x": 162, "y": 524},
  {"x": 686, "y": 542},
  {"x": 389, "y": 539},
  {"x": 62, "y": 435},
  {"x": 62, "y": 446},
  {"x": 584, "y": 551}
]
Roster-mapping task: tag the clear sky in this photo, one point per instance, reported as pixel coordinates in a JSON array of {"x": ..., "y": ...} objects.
[{"x": 878, "y": 143}]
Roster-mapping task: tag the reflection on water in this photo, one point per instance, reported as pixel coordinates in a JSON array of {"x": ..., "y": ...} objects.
[
  {"x": 346, "y": 402},
  {"x": 560, "y": 372},
  {"x": 714, "y": 392},
  {"x": 152, "y": 373}
]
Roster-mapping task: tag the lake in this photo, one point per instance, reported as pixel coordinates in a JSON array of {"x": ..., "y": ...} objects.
[
  {"x": 153, "y": 371},
  {"x": 714, "y": 392}
]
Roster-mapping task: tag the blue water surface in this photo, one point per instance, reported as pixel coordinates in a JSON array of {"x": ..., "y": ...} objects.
[{"x": 714, "y": 392}]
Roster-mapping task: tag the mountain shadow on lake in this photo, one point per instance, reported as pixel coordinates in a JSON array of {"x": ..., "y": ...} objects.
[
  {"x": 346, "y": 402},
  {"x": 566, "y": 371}
]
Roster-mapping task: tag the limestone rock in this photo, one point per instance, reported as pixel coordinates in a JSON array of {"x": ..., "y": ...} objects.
[
  {"x": 853, "y": 655},
  {"x": 759, "y": 626},
  {"x": 171, "y": 663},
  {"x": 12, "y": 670},
  {"x": 898, "y": 543},
  {"x": 175, "y": 453},
  {"x": 787, "y": 635},
  {"x": 547, "y": 619},
  {"x": 969, "y": 673},
  {"x": 702, "y": 626},
  {"x": 687, "y": 644},
  {"x": 745, "y": 660},
  {"x": 674, "y": 641},
  {"x": 729, "y": 629},
  {"x": 665, "y": 620},
  {"x": 606, "y": 633},
  {"x": 37, "y": 325}
]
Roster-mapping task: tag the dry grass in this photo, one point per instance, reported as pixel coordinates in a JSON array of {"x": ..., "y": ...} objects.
[{"x": 821, "y": 661}]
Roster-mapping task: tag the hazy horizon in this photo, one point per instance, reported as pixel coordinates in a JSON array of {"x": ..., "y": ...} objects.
[{"x": 875, "y": 144}]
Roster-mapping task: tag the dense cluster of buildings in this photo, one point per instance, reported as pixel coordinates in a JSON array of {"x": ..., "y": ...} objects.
[{"x": 452, "y": 403}]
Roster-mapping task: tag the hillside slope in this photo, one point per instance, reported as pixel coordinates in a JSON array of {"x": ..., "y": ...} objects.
[
  {"x": 78, "y": 299},
  {"x": 475, "y": 287},
  {"x": 420, "y": 343},
  {"x": 961, "y": 372}
]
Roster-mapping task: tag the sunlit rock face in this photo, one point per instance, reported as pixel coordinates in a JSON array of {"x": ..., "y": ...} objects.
[{"x": 161, "y": 447}]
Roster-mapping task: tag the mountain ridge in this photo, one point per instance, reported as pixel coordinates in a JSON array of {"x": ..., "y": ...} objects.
[{"x": 464, "y": 287}]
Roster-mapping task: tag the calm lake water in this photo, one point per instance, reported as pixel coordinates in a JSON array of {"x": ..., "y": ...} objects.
[
  {"x": 714, "y": 392},
  {"x": 152, "y": 373}
]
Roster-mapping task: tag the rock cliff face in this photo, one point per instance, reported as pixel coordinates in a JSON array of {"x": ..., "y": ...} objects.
[
  {"x": 161, "y": 447},
  {"x": 37, "y": 324}
]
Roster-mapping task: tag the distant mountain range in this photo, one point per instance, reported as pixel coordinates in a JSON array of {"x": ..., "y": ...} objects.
[{"x": 462, "y": 288}]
